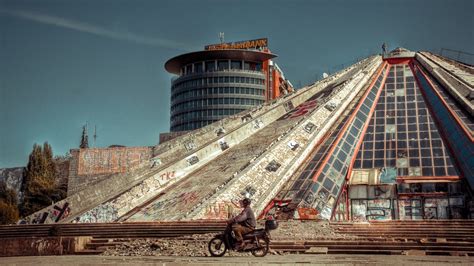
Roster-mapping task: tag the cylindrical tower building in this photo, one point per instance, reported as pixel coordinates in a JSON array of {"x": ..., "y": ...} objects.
[{"x": 222, "y": 80}]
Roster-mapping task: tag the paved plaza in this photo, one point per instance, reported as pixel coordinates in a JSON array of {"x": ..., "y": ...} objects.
[{"x": 293, "y": 259}]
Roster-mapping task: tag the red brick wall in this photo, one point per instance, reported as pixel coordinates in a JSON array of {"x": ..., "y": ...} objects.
[
  {"x": 98, "y": 161},
  {"x": 89, "y": 166}
]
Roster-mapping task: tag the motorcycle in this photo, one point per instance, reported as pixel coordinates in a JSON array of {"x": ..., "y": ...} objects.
[{"x": 257, "y": 241}]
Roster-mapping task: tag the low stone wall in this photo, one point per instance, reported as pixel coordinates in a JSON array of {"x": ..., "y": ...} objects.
[{"x": 44, "y": 246}]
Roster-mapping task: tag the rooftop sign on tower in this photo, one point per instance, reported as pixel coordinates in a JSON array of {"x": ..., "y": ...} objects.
[{"x": 250, "y": 44}]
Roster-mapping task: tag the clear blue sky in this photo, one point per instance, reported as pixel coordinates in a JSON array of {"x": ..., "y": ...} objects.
[{"x": 63, "y": 63}]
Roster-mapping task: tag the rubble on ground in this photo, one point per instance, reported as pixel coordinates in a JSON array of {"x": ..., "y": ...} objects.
[
  {"x": 306, "y": 230},
  {"x": 196, "y": 245},
  {"x": 191, "y": 246}
]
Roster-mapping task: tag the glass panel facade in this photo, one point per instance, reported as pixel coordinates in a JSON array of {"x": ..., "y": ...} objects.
[
  {"x": 321, "y": 191},
  {"x": 402, "y": 133},
  {"x": 458, "y": 140}
]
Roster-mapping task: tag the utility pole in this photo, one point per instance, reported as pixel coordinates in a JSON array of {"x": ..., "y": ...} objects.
[
  {"x": 221, "y": 37},
  {"x": 95, "y": 134}
]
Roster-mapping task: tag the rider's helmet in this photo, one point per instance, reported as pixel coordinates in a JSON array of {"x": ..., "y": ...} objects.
[{"x": 246, "y": 201}]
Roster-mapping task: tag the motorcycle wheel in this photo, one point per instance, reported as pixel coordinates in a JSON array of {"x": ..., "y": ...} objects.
[
  {"x": 217, "y": 247},
  {"x": 263, "y": 245}
]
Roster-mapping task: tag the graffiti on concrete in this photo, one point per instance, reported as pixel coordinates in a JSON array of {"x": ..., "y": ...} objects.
[
  {"x": 102, "y": 213},
  {"x": 221, "y": 210},
  {"x": 166, "y": 176},
  {"x": 410, "y": 209},
  {"x": 301, "y": 109},
  {"x": 379, "y": 209},
  {"x": 53, "y": 214},
  {"x": 60, "y": 212},
  {"x": 359, "y": 210},
  {"x": 437, "y": 208},
  {"x": 188, "y": 198},
  {"x": 378, "y": 214},
  {"x": 379, "y": 203}
]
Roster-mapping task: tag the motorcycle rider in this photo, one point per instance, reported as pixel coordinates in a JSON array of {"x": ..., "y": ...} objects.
[{"x": 243, "y": 223}]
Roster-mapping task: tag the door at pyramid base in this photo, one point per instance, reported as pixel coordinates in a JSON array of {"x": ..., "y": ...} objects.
[{"x": 403, "y": 201}]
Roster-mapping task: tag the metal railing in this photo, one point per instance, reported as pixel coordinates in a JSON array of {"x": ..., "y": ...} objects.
[{"x": 460, "y": 56}]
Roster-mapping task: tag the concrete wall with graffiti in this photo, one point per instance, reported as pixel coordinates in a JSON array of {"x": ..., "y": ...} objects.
[
  {"x": 431, "y": 208},
  {"x": 389, "y": 202},
  {"x": 372, "y": 202},
  {"x": 267, "y": 174}
]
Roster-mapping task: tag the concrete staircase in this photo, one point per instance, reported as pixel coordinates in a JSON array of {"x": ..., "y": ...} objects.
[
  {"x": 449, "y": 237},
  {"x": 446, "y": 237}
]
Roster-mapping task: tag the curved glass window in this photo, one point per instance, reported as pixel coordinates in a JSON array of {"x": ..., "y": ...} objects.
[
  {"x": 198, "y": 67},
  {"x": 236, "y": 64},
  {"x": 223, "y": 64},
  {"x": 210, "y": 66},
  {"x": 189, "y": 69}
]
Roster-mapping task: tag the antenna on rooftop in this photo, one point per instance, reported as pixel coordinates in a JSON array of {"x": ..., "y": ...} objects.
[
  {"x": 221, "y": 37},
  {"x": 95, "y": 134}
]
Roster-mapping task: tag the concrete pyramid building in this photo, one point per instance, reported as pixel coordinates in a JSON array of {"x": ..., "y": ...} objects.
[{"x": 390, "y": 137}]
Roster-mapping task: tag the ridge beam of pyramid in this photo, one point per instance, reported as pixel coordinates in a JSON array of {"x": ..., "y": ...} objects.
[
  {"x": 453, "y": 67},
  {"x": 459, "y": 89},
  {"x": 114, "y": 197},
  {"x": 269, "y": 182}
]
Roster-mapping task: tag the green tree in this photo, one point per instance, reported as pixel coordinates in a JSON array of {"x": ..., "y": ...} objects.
[
  {"x": 84, "y": 139},
  {"x": 50, "y": 165},
  {"x": 8, "y": 213},
  {"x": 39, "y": 185},
  {"x": 8, "y": 205}
]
